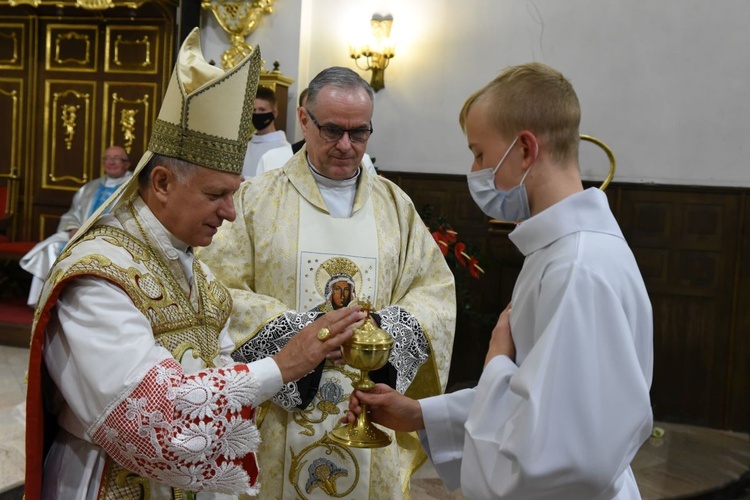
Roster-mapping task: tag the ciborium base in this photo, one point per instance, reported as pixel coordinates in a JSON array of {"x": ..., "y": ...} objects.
[{"x": 360, "y": 434}]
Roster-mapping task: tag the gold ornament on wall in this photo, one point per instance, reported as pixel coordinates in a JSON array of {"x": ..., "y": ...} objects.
[
  {"x": 238, "y": 18},
  {"x": 90, "y": 5},
  {"x": 95, "y": 4},
  {"x": 127, "y": 124},
  {"x": 69, "y": 123}
]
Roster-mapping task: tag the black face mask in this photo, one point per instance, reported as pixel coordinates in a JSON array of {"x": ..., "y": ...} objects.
[{"x": 262, "y": 120}]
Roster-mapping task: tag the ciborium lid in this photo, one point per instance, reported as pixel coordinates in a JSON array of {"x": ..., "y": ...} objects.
[{"x": 369, "y": 335}]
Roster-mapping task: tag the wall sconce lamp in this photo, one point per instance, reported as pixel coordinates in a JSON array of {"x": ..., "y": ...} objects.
[{"x": 377, "y": 53}]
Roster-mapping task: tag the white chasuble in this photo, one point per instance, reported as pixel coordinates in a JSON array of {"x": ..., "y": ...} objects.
[
  {"x": 332, "y": 272},
  {"x": 383, "y": 253}
]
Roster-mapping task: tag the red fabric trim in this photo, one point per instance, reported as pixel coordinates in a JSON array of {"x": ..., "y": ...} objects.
[
  {"x": 35, "y": 401},
  {"x": 35, "y": 416},
  {"x": 17, "y": 247}
]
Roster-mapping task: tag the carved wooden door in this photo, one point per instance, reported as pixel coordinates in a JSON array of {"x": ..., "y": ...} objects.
[
  {"x": 85, "y": 80},
  {"x": 15, "y": 80}
]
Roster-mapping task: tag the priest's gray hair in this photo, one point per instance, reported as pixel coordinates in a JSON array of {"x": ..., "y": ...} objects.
[{"x": 339, "y": 77}]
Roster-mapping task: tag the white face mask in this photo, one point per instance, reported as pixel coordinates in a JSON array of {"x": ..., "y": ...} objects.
[{"x": 511, "y": 205}]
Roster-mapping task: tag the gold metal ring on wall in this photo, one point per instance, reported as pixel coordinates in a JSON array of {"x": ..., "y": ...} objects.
[{"x": 610, "y": 155}]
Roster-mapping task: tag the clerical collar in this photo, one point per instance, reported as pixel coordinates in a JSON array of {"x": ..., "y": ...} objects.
[
  {"x": 338, "y": 195},
  {"x": 332, "y": 183}
]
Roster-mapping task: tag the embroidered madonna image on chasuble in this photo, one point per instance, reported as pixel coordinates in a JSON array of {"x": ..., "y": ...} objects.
[
  {"x": 338, "y": 280},
  {"x": 333, "y": 271}
]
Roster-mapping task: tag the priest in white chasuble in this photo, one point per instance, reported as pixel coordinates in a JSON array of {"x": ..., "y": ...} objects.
[
  {"x": 38, "y": 261},
  {"x": 132, "y": 392},
  {"x": 320, "y": 234}
]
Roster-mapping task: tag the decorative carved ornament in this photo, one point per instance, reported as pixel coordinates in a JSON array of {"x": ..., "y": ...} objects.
[{"x": 238, "y": 18}]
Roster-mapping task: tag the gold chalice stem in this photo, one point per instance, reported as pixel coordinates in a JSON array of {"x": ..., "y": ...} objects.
[
  {"x": 361, "y": 424},
  {"x": 361, "y": 433},
  {"x": 364, "y": 383}
]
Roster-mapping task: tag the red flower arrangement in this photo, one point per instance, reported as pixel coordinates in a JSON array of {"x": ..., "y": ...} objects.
[
  {"x": 446, "y": 238},
  {"x": 464, "y": 264}
]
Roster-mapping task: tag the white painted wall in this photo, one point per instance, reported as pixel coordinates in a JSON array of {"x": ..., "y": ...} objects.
[{"x": 663, "y": 82}]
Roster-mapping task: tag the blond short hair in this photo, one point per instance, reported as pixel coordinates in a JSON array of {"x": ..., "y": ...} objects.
[{"x": 532, "y": 97}]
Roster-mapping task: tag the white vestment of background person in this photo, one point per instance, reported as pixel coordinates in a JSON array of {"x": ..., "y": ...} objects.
[
  {"x": 38, "y": 261},
  {"x": 257, "y": 147}
]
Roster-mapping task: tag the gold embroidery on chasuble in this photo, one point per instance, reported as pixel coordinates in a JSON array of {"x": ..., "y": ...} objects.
[
  {"x": 177, "y": 324},
  {"x": 181, "y": 320}
]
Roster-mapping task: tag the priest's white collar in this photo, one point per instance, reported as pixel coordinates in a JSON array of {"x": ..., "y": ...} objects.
[
  {"x": 333, "y": 183},
  {"x": 338, "y": 194}
]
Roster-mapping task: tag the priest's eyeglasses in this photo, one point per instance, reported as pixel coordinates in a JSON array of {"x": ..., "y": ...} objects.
[
  {"x": 333, "y": 133},
  {"x": 113, "y": 158}
]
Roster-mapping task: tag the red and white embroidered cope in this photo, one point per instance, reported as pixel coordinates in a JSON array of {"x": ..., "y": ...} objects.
[{"x": 193, "y": 432}]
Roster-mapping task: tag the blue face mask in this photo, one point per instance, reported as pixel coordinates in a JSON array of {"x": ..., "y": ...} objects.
[{"x": 511, "y": 205}]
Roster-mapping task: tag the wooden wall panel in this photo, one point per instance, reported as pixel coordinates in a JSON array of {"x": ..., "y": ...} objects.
[
  {"x": 12, "y": 45},
  {"x": 685, "y": 243},
  {"x": 47, "y": 224},
  {"x": 11, "y": 101},
  {"x": 132, "y": 49},
  {"x": 68, "y": 145},
  {"x": 129, "y": 114},
  {"x": 16, "y": 76},
  {"x": 92, "y": 78},
  {"x": 738, "y": 377},
  {"x": 692, "y": 245},
  {"x": 71, "y": 48}
]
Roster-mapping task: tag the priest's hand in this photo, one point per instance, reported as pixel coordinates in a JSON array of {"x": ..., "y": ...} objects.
[
  {"x": 502, "y": 340},
  {"x": 316, "y": 341},
  {"x": 386, "y": 407}
]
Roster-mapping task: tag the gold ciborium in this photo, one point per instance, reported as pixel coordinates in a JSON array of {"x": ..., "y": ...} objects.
[{"x": 367, "y": 349}]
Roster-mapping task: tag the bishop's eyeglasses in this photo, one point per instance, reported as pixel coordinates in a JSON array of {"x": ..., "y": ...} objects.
[{"x": 332, "y": 133}]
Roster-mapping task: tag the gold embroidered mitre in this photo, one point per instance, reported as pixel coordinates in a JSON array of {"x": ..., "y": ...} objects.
[
  {"x": 204, "y": 119},
  {"x": 206, "y": 115}
]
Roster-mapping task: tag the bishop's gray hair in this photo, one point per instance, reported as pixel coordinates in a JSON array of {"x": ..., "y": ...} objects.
[{"x": 183, "y": 171}]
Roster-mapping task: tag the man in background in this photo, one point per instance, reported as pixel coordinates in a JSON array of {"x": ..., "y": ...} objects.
[
  {"x": 266, "y": 137},
  {"x": 323, "y": 219},
  {"x": 85, "y": 202}
]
